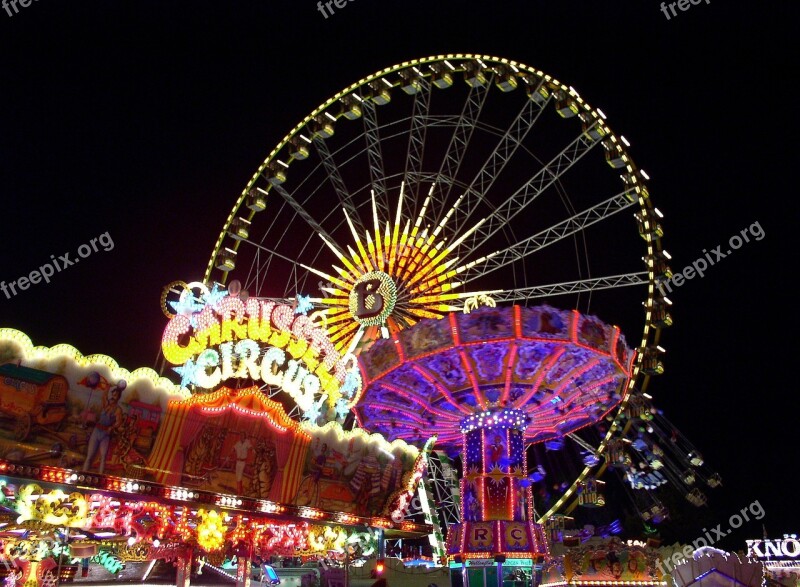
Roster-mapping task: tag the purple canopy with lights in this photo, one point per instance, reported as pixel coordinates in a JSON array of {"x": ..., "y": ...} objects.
[{"x": 564, "y": 370}]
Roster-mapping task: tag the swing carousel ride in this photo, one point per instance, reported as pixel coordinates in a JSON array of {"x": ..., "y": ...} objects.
[{"x": 407, "y": 287}]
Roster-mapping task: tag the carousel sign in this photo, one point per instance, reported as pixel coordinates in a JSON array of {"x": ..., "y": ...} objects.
[{"x": 218, "y": 336}]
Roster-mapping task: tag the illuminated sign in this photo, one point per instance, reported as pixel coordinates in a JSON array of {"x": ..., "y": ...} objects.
[
  {"x": 788, "y": 546},
  {"x": 217, "y": 336},
  {"x": 53, "y": 507},
  {"x": 110, "y": 562},
  {"x": 210, "y": 530},
  {"x": 372, "y": 298},
  {"x": 481, "y": 562},
  {"x": 325, "y": 539}
]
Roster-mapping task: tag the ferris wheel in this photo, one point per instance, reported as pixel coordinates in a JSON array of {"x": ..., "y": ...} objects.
[{"x": 446, "y": 183}]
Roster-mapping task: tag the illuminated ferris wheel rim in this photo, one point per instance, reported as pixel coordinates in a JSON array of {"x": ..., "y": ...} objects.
[{"x": 509, "y": 75}]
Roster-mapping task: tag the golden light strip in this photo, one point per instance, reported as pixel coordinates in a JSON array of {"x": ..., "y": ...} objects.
[
  {"x": 335, "y": 302},
  {"x": 343, "y": 314},
  {"x": 359, "y": 244},
  {"x": 396, "y": 231},
  {"x": 340, "y": 337},
  {"x": 324, "y": 275},
  {"x": 424, "y": 269},
  {"x": 360, "y": 267},
  {"x": 421, "y": 313},
  {"x": 378, "y": 244}
]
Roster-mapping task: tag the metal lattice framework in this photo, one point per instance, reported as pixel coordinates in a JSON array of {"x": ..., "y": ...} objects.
[{"x": 444, "y": 483}]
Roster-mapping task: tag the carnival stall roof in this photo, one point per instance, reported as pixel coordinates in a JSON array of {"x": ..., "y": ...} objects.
[
  {"x": 35, "y": 376},
  {"x": 711, "y": 567}
]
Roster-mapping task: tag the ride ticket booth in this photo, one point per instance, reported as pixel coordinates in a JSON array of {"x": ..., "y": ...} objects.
[{"x": 477, "y": 572}]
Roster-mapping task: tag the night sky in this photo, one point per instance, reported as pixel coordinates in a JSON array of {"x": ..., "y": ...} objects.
[{"x": 146, "y": 119}]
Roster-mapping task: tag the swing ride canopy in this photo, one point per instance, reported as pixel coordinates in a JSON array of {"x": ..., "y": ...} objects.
[{"x": 561, "y": 369}]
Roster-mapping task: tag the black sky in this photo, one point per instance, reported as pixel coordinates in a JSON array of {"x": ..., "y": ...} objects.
[{"x": 146, "y": 119}]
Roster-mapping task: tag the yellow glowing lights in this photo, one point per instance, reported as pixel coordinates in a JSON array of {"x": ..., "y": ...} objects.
[
  {"x": 210, "y": 530},
  {"x": 32, "y": 354},
  {"x": 393, "y": 277},
  {"x": 53, "y": 507},
  {"x": 232, "y": 320},
  {"x": 373, "y": 439},
  {"x": 326, "y": 538},
  {"x": 220, "y": 336},
  {"x": 225, "y": 398}
]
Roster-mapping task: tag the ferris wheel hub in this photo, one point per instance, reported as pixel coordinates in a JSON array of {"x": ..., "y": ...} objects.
[{"x": 372, "y": 298}]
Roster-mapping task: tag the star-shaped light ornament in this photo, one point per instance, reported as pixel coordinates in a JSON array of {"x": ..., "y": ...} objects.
[
  {"x": 496, "y": 475},
  {"x": 473, "y": 472},
  {"x": 313, "y": 413},
  {"x": 342, "y": 408},
  {"x": 186, "y": 371},
  {"x": 186, "y": 304},
  {"x": 216, "y": 294},
  {"x": 349, "y": 389},
  {"x": 304, "y": 305}
]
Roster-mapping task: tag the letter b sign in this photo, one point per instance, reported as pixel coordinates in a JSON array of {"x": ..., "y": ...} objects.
[
  {"x": 372, "y": 298},
  {"x": 369, "y": 302}
]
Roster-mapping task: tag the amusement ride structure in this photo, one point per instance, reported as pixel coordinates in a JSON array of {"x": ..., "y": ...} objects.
[
  {"x": 446, "y": 183},
  {"x": 372, "y": 321},
  {"x": 491, "y": 382}
]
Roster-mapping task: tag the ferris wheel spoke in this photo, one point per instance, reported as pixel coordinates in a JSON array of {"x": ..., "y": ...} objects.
[
  {"x": 497, "y": 160},
  {"x": 262, "y": 263},
  {"x": 253, "y": 279},
  {"x": 335, "y": 177},
  {"x": 532, "y": 189},
  {"x": 377, "y": 170},
  {"x": 572, "y": 287},
  {"x": 278, "y": 224},
  {"x": 443, "y": 120},
  {"x": 416, "y": 137},
  {"x": 271, "y": 254},
  {"x": 259, "y": 267},
  {"x": 302, "y": 213},
  {"x": 547, "y": 237},
  {"x": 582, "y": 443},
  {"x": 460, "y": 139}
]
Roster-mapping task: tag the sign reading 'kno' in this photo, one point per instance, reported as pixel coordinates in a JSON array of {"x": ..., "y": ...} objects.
[{"x": 788, "y": 546}]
